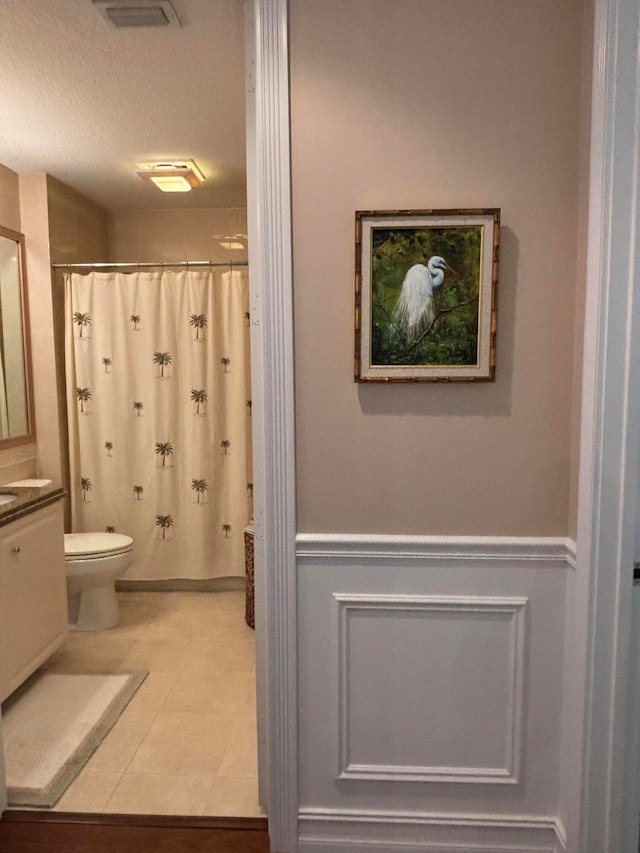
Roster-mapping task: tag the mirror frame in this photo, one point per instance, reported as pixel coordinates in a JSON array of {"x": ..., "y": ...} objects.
[{"x": 30, "y": 435}]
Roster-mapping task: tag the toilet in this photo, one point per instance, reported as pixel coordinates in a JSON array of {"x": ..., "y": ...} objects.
[{"x": 93, "y": 562}]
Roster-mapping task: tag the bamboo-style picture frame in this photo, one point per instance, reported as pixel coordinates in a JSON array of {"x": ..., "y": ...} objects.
[{"x": 426, "y": 285}]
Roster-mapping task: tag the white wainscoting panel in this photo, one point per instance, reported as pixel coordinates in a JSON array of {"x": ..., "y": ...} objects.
[
  {"x": 392, "y": 651},
  {"x": 430, "y": 692}
]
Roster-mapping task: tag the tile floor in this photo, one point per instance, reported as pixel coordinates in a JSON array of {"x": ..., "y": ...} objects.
[{"x": 186, "y": 743}]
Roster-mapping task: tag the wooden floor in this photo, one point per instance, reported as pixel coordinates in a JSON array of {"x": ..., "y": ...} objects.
[{"x": 46, "y": 832}]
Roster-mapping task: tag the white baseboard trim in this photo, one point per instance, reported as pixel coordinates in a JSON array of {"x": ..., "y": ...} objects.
[
  {"x": 408, "y": 832},
  {"x": 546, "y": 552}
]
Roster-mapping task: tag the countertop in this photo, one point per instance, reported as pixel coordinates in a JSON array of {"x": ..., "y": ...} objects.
[{"x": 28, "y": 500}]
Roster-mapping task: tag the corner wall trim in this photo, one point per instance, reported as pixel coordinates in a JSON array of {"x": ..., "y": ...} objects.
[
  {"x": 545, "y": 552},
  {"x": 409, "y": 832},
  {"x": 269, "y": 200}
]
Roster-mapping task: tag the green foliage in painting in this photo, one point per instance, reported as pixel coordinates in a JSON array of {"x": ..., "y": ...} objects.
[{"x": 451, "y": 338}]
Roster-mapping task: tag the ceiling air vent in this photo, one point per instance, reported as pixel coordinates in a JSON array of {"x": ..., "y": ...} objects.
[{"x": 137, "y": 13}]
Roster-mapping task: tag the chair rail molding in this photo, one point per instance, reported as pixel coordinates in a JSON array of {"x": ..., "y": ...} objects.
[{"x": 326, "y": 548}]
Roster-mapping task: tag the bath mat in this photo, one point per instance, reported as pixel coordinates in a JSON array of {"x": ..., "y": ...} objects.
[{"x": 52, "y": 726}]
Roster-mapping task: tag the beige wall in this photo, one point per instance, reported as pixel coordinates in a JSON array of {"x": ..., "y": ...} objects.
[
  {"x": 156, "y": 236},
  {"x": 9, "y": 199},
  {"x": 78, "y": 228},
  {"x": 433, "y": 103},
  {"x": 15, "y": 462},
  {"x": 35, "y": 220},
  {"x": 78, "y": 233}
]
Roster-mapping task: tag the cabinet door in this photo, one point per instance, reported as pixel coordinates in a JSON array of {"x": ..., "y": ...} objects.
[{"x": 33, "y": 602}]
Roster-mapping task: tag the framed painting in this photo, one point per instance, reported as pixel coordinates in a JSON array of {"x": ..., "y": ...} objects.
[{"x": 426, "y": 284}]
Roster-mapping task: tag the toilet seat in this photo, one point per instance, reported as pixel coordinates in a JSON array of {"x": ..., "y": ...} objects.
[{"x": 95, "y": 546}]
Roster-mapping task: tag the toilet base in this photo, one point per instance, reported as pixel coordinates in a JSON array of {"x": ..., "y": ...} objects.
[{"x": 93, "y": 608}]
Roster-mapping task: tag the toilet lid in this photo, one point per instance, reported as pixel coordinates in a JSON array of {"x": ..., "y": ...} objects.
[{"x": 85, "y": 544}]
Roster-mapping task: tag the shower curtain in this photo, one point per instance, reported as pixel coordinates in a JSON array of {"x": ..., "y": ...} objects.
[{"x": 159, "y": 410}]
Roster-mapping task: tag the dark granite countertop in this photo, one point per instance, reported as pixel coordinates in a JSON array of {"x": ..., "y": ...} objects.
[{"x": 28, "y": 499}]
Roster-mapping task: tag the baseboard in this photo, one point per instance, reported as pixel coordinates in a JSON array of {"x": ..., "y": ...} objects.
[
  {"x": 182, "y": 585},
  {"x": 376, "y": 832}
]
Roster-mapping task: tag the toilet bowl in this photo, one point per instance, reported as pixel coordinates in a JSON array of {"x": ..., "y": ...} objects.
[{"x": 93, "y": 562}]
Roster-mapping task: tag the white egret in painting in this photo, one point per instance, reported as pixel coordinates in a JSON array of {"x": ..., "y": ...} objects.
[{"x": 414, "y": 311}]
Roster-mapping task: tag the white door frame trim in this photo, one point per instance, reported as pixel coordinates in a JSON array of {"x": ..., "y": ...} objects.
[
  {"x": 603, "y": 819},
  {"x": 269, "y": 200}
]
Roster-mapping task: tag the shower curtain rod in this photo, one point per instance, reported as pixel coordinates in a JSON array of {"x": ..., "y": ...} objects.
[{"x": 161, "y": 264}]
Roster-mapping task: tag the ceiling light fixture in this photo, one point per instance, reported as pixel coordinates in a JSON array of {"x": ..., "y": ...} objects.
[{"x": 179, "y": 177}]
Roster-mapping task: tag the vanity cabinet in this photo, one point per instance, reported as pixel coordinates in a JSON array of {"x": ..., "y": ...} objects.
[{"x": 33, "y": 596}]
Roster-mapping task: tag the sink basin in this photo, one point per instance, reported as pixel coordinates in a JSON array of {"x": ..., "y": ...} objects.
[{"x": 6, "y": 499}]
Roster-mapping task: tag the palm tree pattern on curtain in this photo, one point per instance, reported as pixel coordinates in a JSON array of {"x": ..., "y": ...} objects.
[{"x": 159, "y": 413}]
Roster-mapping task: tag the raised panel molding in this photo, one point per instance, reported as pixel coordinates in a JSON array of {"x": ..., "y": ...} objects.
[
  {"x": 545, "y": 552},
  {"x": 408, "y": 832},
  {"x": 507, "y": 613}
]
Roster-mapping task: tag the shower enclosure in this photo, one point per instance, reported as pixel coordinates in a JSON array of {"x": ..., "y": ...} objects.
[{"x": 157, "y": 368}]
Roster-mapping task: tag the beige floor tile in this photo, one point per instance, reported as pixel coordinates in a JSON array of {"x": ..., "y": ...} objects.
[
  {"x": 136, "y": 614},
  {"x": 161, "y": 793},
  {"x": 117, "y": 749},
  {"x": 241, "y": 755},
  {"x": 183, "y": 743},
  {"x": 89, "y": 792},
  {"x": 231, "y": 617},
  {"x": 232, "y": 650},
  {"x": 181, "y": 624},
  {"x": 152, "y": 693},
  {"x": 202, "y": 687},
  {"x": 166, "y": 655},
  {"x": 192, "y": 718},
  {"x": 233, "y": 797},
  {"x": 193, "y": 601},
  {"x": 231, "y": 600}
]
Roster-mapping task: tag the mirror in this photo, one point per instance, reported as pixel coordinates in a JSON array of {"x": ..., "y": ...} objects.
[{"x": 16, "y": 406}]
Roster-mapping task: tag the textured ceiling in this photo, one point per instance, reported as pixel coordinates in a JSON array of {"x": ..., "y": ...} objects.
[{"x": 84, "y": 101}]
